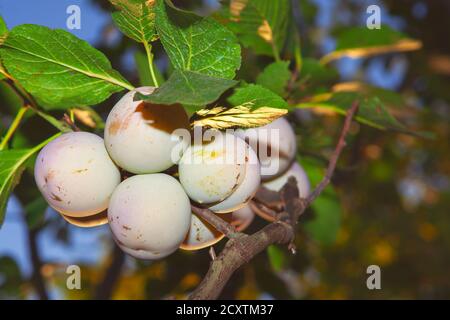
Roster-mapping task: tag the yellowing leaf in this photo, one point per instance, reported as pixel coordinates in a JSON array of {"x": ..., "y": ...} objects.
[
  {"x": 358, "y": 42},
  {"x": 236, "y": 7},
  {"x": 242, "y": 116},
  {"x": 401, "y": 46},
  {"x": 265, "y": 32},
  {"x": 85, "y": 117}
]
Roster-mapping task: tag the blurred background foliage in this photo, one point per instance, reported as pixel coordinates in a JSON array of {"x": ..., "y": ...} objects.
[{"x": 390, "y": 200}]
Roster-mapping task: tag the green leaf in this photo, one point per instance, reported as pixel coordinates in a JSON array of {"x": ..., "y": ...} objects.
[
  {"x": 388, "y": 97},
  {"x": 144, "y": 70},
  {"x": 360, "y": 42},
  {"x": 35, "y": 212},
  {"x": 58, "y": 124},
  {"x": 11, "y": 279},
  {"x": 189, "y": 88},
  {"x": 258, "y": 95},
  {"x": 3, "y": 30},
  {"x": 275, "y": 77},
  {"x": 261, "y": 24},
  {"x": 3, "y": 34},
  {"x": 277, "y": 258},
  {"x": 372, "y": 110},
  {"x": 325, "y": 225},
  {"x": 136, "y": 19},
  {"x": 314, "y": 72},
  {"x": 197, "y": 44},
  {"x": 59, "y": 69},
  {"x": 12, "y": 163},
  {"x": 1, "y": 74}
]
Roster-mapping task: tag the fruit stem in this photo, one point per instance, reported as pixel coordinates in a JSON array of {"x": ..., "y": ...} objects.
[
  {"x": 148, "y": 50},
  {"x": 13, "y": 127}
]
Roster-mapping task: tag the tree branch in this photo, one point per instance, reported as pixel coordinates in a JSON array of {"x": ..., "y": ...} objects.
[
  {"x": 218, "y": 223},
  {"x": 335, "y": 156},
  {"x": 240, "y": 249},
  {"x": 36, "y": 278},
  {"x": 106, "y": 287}
]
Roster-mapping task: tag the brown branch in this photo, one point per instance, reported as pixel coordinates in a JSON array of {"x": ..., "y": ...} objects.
[
  {"x": 241, "y": 249},
  {"x": 66, "y": 119},
  {"x": 106, "y": 287},
  {"x": 269, "y": 198},
  {"x": 237, "y": 252},
  {"x": 218, "y": 223},
  {"x": 335, "y": 156},
  {"x": 36, "y": 278}
]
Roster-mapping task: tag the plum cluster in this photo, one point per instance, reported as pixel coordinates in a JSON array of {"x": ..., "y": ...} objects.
[{"x": 129, "y": 178}]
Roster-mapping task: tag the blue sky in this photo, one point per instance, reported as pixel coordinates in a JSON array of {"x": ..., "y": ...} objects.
[{"x": 52, "y": 13}]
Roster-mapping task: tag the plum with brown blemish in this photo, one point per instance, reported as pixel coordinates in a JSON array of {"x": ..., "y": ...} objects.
[
  {"x": 149, "y": 215},
  {"x": 75, "y": 175},
  {"x": 221, "y": 174},
  {"x": 138, "y": 135}
]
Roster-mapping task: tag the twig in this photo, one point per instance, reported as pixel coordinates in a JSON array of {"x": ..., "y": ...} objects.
[
  {"x": 335, "y": 156},
  {"x": 269, "y": 198},
  {"x": 106, "y": 287},
  {"x": 241, "y": 250},
  {"x": 218, "y": 223},
  {"x": 212, "y": 253},
  {"x": 68, "y": 120},
  {"x": 263, "y": 211},
  {"x": 236, "y": 253},
  {"x": 37, "y": 279}
]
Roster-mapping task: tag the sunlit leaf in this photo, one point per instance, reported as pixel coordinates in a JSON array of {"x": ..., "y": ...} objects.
[
  {"x": 260, "y": 24},
  {"x": 243, "y": 116},
  {"x": 361, "y": 42},
  {"x": 190, "y": 88},
  {"x": 88, "y": 117},
  {"x": 145, "y": 77},
  {"x": 195, "y": 43},
  {"x": 11, "y": 167},
  {"x": 258, "y": 96},
  {"x": 372, "y": 111},
  {"x": 57, "y": 68},
  {"x": 3, "y": 30},
  {"x": 136, "y": 19},
  {"x": 275, "y": 77},
  {"x": 388, "y": 97}
]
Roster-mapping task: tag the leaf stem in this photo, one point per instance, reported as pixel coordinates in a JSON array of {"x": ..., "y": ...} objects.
[
  {"x": 45, "y": 142},
  {"x": 148, "y": 50},
  {"x": 13, "y": 127},
  {"x": 21, "y": 90},
  {"x": 276, "y": 54}
]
